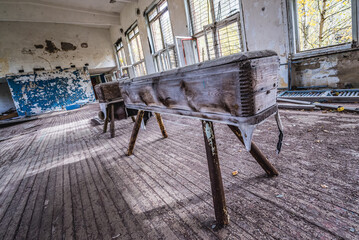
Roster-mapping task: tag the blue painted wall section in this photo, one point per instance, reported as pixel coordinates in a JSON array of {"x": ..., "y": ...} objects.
[{"x": 46, "y": 91}]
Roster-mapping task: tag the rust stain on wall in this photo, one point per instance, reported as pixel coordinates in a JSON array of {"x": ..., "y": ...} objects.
[
  {"x": 39, "y": 46},
  {"x": 66, "y": 46},
  {"x": 51, "y": 47}
]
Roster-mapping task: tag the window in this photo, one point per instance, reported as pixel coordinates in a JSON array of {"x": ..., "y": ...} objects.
[
  {"x": 136, "y": 52},
  {"x": 121, "y": 58},
  {"x": 216, "y": 25},
  {"x": 321, "y": 23},
  {"x": 162, "y": 42}
]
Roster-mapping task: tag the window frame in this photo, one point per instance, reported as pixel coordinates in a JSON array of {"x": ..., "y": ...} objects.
[
  {"x": 294, "y": 41},
  {"x": 215, "y": 26},
  {"x": 158, "y": 56},
  {"x": 134, "y": 64},
  {"x": 119, "y": 46}
]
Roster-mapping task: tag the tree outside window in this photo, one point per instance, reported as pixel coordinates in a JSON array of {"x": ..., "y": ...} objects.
[{"x": 323, "y": 23}]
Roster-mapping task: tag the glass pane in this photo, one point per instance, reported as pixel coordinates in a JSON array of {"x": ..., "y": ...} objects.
[
  {"x": 134, "y": 50},
  {"x": 163, "y": 5},
  {"x": 228, "y": 38},
  {"x": 202, "y": 47},
  {"x": 152, "y": 14},
  {"x": 173, "y": 59},
  {"x": 139, "y": 47},
  {"x": 200, "y": 14},
  {"x": 323, "y": 23},
  {"x": 131, "y": 34},
  {"x": 121, "y": 57},
  {"x": 156, "y": 35},
  {"x": 166, "y": 28},
  {"x": 225, "y": 8}
]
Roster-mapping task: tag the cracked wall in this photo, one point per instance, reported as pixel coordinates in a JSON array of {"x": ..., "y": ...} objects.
[{"x": 26, "y": 46}]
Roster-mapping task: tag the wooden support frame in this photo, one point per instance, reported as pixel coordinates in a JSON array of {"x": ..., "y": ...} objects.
[
  {"x": 112, "y": 124},
  {"x": 257, "y": 154},
  {"x": 106, "y": 120},
  {"x": 136, "y": 129},
  {"x": 219, "y": 201},
  {"x": 161, "y": 125}
]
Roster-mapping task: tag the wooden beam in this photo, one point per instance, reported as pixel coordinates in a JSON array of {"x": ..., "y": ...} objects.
[
  {"x": 161, "y": 125},
  {"x": 257, "y": 154},
  {"x": 219, "y": 201},
  {"x": 106, "y": 119},
  {"x": 135, "y": 130},
  {"x": 112, "y": 125}
]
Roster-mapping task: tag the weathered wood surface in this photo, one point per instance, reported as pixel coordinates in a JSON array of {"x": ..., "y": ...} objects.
[
  {"x": 225, "y": 89},
  {"x": 215, "y": 176},
  {"x": 135, "y": 130},
  {"x": 107, "y": 92},
  {"x": 238, "y": 90}
]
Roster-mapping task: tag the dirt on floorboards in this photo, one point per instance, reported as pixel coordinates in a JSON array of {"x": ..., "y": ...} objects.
[{"x": 62, "y": 178}]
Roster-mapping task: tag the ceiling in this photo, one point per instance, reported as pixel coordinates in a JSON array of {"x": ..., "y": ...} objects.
[{"x": 86, "y": 5}]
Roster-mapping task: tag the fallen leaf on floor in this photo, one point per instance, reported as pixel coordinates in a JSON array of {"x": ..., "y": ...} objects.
[
  {"x": 234, "y": 173},
  {"x": 318, "y": 141},
  {"x": 240, "y": 150},
  {"x": 340, "y": 109},
  {"x": 323, "y": 186},
  {"x": 279, "y": 196},
  {"x": 309, "y": 130},
  {"x": 326, "y": 131},
  {"x": 324, "y": 111}
]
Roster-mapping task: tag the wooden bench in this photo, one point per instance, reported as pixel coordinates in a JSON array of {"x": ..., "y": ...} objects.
[{"x": 238, "y": 90}]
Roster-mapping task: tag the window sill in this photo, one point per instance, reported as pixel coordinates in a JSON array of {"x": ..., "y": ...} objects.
[{"x": 324, "y": 51}]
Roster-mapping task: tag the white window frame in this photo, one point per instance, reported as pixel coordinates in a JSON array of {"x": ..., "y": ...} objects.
[
  {"x": 141, "y": 61},
  {"x": 216, "y": 26},
  {"x": 161, "y": 54},
  {"x": 294, "y": 34},
  {"x": 118, "y": 47}
]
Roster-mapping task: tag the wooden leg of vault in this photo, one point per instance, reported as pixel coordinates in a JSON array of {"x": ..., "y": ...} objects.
[
  {"x": 106, "y": 119},
  {"x": 257, "y": 154},
  {"x": 135, "y": 130},
  {"x": 160, "y": 123},
  {"x": 112, "y": 124},
  {"x": 219, "y": 201}
]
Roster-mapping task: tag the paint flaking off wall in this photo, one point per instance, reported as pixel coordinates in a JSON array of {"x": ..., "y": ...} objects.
[{"x": 46, "y": 91}]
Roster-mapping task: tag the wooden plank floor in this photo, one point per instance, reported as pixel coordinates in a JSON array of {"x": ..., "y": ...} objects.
[{"x": 61, "y": 178}]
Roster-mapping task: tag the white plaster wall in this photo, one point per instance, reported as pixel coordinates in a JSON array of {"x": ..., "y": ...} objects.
[
  {"x": 17, "y": 50},
  {"x": 266, "y": 29}
]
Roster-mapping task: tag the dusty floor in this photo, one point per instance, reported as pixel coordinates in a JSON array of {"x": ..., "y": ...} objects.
[{"x": 61, "y": 178}]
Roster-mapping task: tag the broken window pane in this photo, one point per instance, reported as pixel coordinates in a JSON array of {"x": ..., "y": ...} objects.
[{"x": 323, "y": 23}]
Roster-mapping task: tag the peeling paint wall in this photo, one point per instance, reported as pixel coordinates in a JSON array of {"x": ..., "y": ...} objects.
[
  {"x": 26, "y": 46},
  {"x": 46, "y": 91},
  {"x": 336, "y": 71}
]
